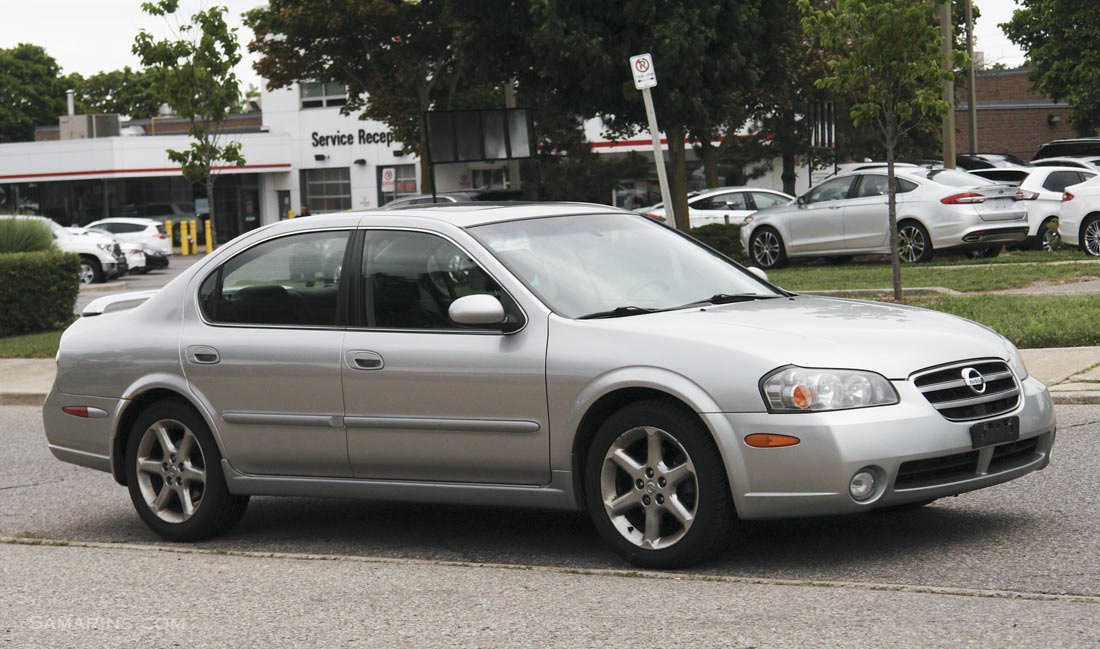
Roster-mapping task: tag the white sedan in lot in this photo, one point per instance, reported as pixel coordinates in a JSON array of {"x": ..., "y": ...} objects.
[
  {"x": 1079, "y": 224},
  {"x": 847, "y": 215}
]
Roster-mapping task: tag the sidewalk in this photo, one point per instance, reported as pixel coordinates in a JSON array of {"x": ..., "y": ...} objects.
[{"x": 1071, "y": 373}]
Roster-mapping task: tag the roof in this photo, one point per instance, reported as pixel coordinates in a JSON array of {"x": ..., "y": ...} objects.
[{"x": 462, "y": 215}]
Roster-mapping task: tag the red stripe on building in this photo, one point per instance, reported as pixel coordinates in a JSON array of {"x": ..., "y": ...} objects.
[{"x": 61, "y": 174}]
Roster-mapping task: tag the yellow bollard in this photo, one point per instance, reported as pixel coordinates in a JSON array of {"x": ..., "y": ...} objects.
[
  {"x": 184, "y": 248},
  {"x": 192, "y": 240},
  {"x": 209, "y": 239},
  {"x": 290, "y": 214}
]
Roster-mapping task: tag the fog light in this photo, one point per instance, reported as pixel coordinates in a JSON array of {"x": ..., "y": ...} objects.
[{"x": 862, "y": 485}]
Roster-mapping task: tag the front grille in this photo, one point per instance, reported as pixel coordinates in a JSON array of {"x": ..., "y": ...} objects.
[
  {"x": 1010, "y": 456},
  {"x": 117, "y": 250},
  {"x": 937, "y": 470},
  {"x": 947, "y": 390}
]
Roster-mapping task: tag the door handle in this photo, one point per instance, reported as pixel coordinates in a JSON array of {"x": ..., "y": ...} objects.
[
  {"x": 203, "y": 354},
  {"x": 364, "y": 360}
]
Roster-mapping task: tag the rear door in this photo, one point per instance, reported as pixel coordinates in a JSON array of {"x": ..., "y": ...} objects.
[
  {"x": 728, "y": 207},
  {"x": 866, "y": 214}
]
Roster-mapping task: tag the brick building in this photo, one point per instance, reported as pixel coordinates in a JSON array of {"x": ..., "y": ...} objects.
[{"x": 1012, "y": 118}]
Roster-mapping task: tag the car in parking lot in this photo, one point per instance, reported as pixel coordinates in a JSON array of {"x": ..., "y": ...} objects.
[
  {"x": 565, "y": 356},
  {"x": 1089, "y": 163},
  {"x": 100, "y": 256},
  {"x": 1081, "y": 147},
  {"x": 723, "y": 205},
  {"x": 848, "y": 215},
  {"x": 1042, "y": 192},
  {"x": 1079, "y": 223},
  {"x": 147, "y": 232}
]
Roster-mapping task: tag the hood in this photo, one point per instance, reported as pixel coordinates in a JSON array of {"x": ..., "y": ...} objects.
[{"x": 808, "y": 331}]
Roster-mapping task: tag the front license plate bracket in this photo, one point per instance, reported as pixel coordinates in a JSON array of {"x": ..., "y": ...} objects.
[{"x": 997, "y": 431}]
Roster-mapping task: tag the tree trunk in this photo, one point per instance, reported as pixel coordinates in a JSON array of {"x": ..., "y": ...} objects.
[
  {"x": 788, "y": 146},
  {"x": 426, "y": 184},
  {"x": 892, "y": 201},
  {"x": 677, "y": 176},
  {"x": 710, "y": 161}
]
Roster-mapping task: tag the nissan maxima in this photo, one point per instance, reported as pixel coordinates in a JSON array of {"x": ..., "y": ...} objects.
[
  {"x": 564, "y": 356},
  {"x": 848, "y": 215}
]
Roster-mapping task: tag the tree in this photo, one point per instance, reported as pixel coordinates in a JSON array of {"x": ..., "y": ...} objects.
[
  {"x": 193, "y": 72},
  {"x": 126, "y": 92},
  {"x": 394, "y": 51},
  {"x": 885, "y": 56},
  {"x": 1062, "y": 41},
  {"x": 31, "y": 94}
]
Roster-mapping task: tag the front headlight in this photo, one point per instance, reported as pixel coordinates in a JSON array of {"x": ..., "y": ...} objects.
[
  {"x": 105, "y": 247},
  {"x": 799, "y": 389},
  {"x": 1015, "y": 361}
]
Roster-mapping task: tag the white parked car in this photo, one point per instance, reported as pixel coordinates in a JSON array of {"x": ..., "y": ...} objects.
[
  {"x": 100, "y": 256},
  {"x": 133, "y": 252},
  {"x": 1079, "y": 224},
  {"x": 1090, "y": 163},
  {"x": 1043, "y": 189},
  {"x": 847, "y": 215},
  {"x": 723, "y": 205},
  {"x": 147, "y": 232}
]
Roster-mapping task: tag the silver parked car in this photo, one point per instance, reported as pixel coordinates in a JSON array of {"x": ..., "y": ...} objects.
[
  {"x": 560, "y": 355},
  {"x": 848, "y": 215}
]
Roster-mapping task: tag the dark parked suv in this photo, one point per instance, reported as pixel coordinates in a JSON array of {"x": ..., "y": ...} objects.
[{"x": 1076, "y": 148}]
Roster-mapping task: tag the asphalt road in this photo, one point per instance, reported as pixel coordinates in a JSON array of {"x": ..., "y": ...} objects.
[{"x": 1014, "y": 565}]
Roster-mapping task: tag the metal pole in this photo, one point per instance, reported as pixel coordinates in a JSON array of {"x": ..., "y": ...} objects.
[
  {"x": 948, "y": 88},
  {"x": 659, "y": 158},
  {"x": 971, "y": 91}
]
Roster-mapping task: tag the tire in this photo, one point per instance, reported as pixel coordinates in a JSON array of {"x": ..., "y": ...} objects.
[
  {"x": 1090, "y": 235},
  {"x": 91, "y": 272},
  {"x": 766, "y": 249},
  {"x": 159, "y": 445},
  {"x": 914, "y": 244},
  {"x": 1047, "y": 236},
  {"x": 671, "y": 513}
]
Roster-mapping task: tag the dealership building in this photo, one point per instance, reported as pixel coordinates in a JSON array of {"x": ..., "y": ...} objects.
[{"x": 301, "y": 154}]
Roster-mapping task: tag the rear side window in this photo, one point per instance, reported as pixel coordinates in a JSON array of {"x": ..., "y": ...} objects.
[
  {"x": 1057, "y": 181},
  {"x": 282, "y": 282},
  {"x": 764, "y": 200},
  {"x": 904, "y": 185}
]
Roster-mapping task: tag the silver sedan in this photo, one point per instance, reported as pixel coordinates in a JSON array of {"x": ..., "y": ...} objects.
[{"x": 566, "y": 356}]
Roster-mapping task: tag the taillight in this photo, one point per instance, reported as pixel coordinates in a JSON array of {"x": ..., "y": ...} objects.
[
  {"x": 1066, "y": 196},
  {"x": 965, "y": 198},
  {"x": 1025, "y": 195},
  {"x": 161, "y": 235}
]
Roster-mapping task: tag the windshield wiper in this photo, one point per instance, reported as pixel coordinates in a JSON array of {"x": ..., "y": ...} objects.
[
  {"x": 728, "y": 298},
  {"x": 619, "y": 312}
]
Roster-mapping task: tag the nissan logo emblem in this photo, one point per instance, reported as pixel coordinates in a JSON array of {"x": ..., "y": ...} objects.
[{"x": 973, "y": 379}]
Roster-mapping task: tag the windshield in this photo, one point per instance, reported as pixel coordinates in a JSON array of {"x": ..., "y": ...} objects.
[{"x": 621, "y": 263}]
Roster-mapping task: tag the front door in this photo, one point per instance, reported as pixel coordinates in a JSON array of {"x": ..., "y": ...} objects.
[
  {"x": 425, "y": 398},
  {"x": 817, "y": 221},
  {"x": 263, "y": 352}
]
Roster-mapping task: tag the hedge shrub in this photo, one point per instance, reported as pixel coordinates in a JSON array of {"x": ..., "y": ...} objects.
[
  {"x": 37, "y": 291},
  {"x": 24, "y": 235},
  {"x": 726, "y": 239}
]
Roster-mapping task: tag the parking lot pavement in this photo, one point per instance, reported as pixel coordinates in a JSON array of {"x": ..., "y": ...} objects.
[
  {"x": 144, "y": 282},
  {"x": 1036, "y": 535}
]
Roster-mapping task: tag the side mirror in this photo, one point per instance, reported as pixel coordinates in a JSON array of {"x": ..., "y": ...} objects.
[
  {"x": 477, "y": 310},
  {"x": 801, "y": 200},
  {"x": 759, "y": 272}
]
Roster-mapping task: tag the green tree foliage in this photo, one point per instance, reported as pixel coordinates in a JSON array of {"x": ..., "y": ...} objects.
[
  {"x": 126, "y": 92},
  {"x": 1062, "y": 41},
  {"x": 31, "y": 94},
  {"x": 193, "y": 72},
  {"x": 885, "y": 56}
]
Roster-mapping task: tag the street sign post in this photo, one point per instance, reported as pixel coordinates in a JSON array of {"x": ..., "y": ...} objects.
[{"x": 645, "y": 77}]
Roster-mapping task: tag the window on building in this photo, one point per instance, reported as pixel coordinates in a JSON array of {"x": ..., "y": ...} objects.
[
  {"x": 404, "y": 183},
  {"x": 489, "y": 178},
  {"x": 327, "y": 190},
  {"x": 316, "y": 94}
]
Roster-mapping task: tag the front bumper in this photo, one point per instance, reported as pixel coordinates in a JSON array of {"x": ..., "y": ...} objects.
[{"x": 812, "y": 477}]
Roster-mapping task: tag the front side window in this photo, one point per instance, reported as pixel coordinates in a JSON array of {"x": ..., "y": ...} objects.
[
  {"x": 410, "y": 280},
  {"x": 833, "y": 190},
  {"x": 283, "y": 282},
  {"x": 872, "y": 185}
]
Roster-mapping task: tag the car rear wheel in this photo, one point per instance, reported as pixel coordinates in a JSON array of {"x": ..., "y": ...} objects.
[
  {"x": 656, "y": 487},
  {"x": 1090, "y": 236},
  {"x": 766, "y": 249},
  {"x": 1047, "y": 237},
  {"x": 91, "y": 272},
  {"x": 914, "y": 244},
  {"x": 173, "y": 471}
]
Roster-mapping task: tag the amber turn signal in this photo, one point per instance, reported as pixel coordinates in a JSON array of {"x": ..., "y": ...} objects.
[{"x": 767, "y": 440}]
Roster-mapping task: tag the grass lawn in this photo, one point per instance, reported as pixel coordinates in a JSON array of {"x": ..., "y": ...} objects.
[
  {"x": 43, "y": 345},
  {"x": 979, "y": 278},
  {"x": 1027, "y": 320}
]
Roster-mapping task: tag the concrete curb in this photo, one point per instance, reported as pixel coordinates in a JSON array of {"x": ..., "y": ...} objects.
[
  {"x": 862, "y": 292},
  {"x": 107, "y": 286}
]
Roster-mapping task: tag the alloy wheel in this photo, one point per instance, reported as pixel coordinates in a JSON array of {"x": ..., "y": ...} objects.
[
  {"x": 649, "y": 488},
  {"x": 1091, "y": 237},
  {"x": 911, "y": 243},
  {"x": 765, "y": 248},
  {"x": 171, "y": 471},
  {"x": 86, "y": 273}
]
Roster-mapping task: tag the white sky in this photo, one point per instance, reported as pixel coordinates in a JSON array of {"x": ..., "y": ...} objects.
[{"x": 89, "y": 36}]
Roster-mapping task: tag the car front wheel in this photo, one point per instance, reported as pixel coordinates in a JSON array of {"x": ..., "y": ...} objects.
[
  {"x": 656, "y": 487},
  {"x": 766, "y": 249},
  {"x": 173, "y": 471},
  {"x": 914, "y": 245},
  {"x": 90, "y": 272}
]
